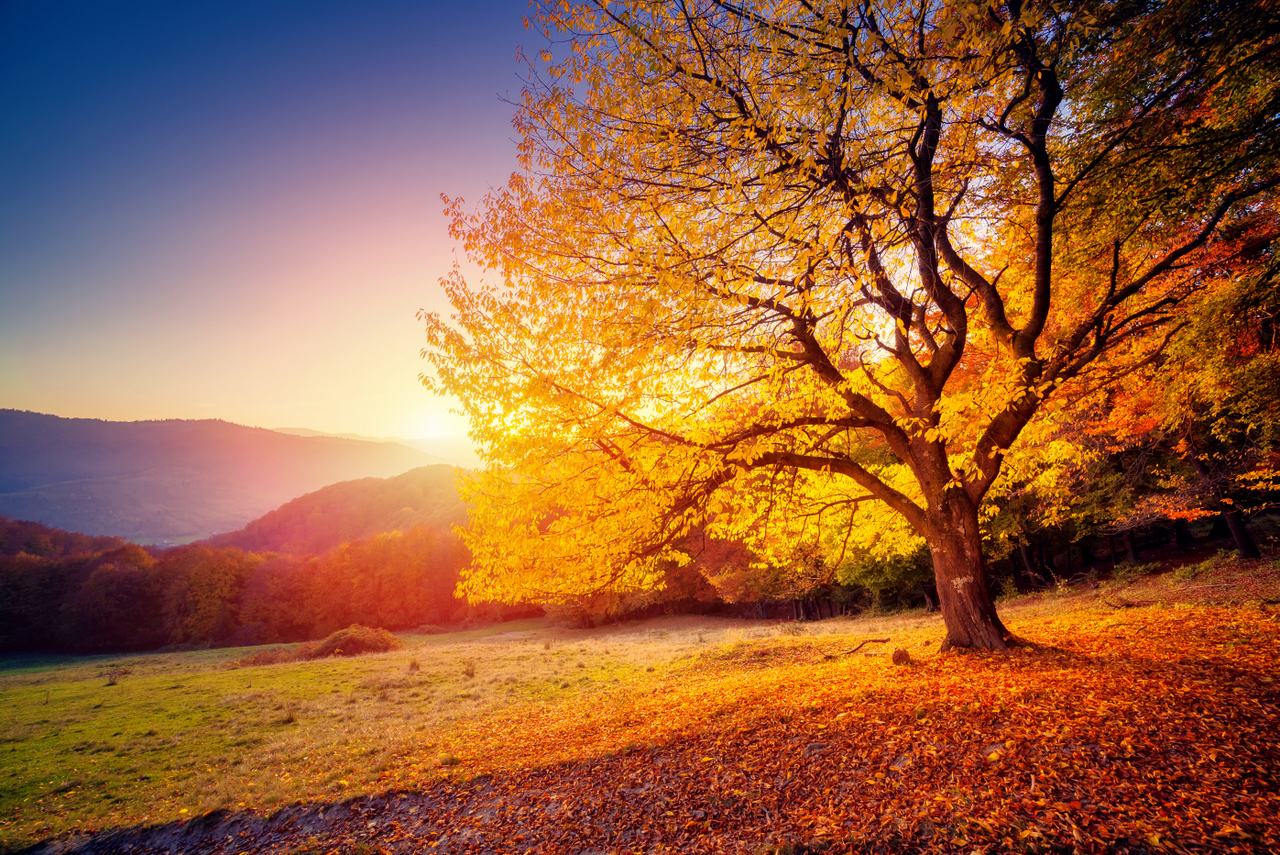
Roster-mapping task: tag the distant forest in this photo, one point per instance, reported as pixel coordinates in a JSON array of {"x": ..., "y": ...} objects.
[
  {"x": 379, "y": 552},
  {"x": 382, "y": 552},
  {"x": 127, "y": 598}
]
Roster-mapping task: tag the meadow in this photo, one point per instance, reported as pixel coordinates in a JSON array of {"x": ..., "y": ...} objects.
[
  {"x": 92, "y": 742},
  {"x": 948, "y": 747}
]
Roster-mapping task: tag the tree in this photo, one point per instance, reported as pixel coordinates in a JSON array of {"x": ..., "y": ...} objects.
[
  {"x": 769, "y": 264},
  {"x": 1198, "y": 421},
  {"x": 116, "y": 605}
]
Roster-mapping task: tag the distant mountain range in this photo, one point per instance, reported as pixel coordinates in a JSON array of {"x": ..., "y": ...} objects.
[
  {"x": 172, "y": 479},
  {"x": 319, "y": 521},
  {"x": 454, "y": 450}
]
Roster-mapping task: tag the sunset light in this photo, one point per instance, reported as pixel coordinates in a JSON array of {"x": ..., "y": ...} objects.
[
  {"x": 233, "y": 211},
  {"x": 640, "y": 427}
]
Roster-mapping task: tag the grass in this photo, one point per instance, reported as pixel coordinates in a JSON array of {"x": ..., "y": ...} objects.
[{"x": 180, "y": 734}]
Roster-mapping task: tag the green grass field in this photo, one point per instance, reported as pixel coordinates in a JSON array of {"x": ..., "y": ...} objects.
[{"x": 183, "y": 733}]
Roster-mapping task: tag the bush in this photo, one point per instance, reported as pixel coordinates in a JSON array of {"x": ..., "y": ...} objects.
[
  {"x": 1187, "y": 572},
  {"x": 354, "y": 641},
  {"x": 1126, "y": 572}
]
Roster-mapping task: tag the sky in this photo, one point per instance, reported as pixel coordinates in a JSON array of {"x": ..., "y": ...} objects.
[{"x": 232, "y": 209}]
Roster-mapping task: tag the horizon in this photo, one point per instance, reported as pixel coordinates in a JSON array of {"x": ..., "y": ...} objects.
[{"x": 233, "y": 211}]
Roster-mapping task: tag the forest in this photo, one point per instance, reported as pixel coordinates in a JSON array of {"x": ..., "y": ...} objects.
[{"x": 128, "y": 598}]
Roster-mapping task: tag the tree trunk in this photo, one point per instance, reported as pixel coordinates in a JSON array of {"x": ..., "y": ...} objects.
[
  {"x": 964, "y": 596},
  {"x": 1130, "y": 547},
  {"x": 929, "y": 604},
  {"x": 1028, "y": 560},
  {"x": 1087, "y": 558},
  {"x": 1245, "y": 547},
  {"x": 1182, "y": 535}
]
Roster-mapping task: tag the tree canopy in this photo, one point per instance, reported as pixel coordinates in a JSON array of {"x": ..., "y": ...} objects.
[{"x": 805, "y": 273}]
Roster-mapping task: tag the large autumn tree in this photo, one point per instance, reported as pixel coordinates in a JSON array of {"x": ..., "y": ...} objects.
[{"x": 772, "y": 266}]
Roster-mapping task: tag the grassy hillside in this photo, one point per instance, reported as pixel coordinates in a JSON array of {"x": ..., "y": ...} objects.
[
  {"x": 350, "y": 510},
  {"x": 166, "y": 479},
  {"x": 1142, "y": 715}
]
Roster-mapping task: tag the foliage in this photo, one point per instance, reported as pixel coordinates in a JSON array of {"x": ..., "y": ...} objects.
[
  {"x": 774, "y": 269},
  {"x": 115, "y": 605},
  {"x": 887, "y": 577},
  {"x": 42, "y": 541},
  {"x": 396, "y": 579},
  {"x": 205, "y": 589},
  {"x": 127, "y": 599}
]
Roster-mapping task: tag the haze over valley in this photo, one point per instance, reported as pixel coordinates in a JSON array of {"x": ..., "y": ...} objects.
[{"x": 174, "y": 480}]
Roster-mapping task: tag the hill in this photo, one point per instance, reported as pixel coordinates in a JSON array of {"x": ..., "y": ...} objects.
[
  {"x": 455, "y": 450},
  {"x": 350, "y": 510},
  {"x": 152, "y": 480},
  {"x": 33, "y": 538}
]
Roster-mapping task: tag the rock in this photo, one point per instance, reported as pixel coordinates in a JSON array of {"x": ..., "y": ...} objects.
[{"x": 901, "y": 657}]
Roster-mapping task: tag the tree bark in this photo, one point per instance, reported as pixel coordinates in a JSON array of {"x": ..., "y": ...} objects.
[
  {"x": 964, "y": 596},
  {"x": 1028, "y": 560},
  {"x": 1087, "y": 558},
  {"x": 1182, "y": 534},
  {"x": 929, "y": 604},
  {"x": 1245, "y": 546},
  {"x": 1130, "y": 547}
]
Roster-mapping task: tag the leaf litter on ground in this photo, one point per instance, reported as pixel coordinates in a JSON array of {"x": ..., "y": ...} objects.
[{"x": 1145, "y": 730}]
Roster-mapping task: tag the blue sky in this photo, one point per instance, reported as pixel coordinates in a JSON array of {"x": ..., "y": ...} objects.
[{"x": 232, "y": 209}]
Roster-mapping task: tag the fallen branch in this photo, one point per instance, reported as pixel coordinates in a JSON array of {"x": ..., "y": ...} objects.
[{"x": 856, "y": 649}]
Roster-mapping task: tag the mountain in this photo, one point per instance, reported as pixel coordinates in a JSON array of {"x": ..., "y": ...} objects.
[
  {"x": 344, "y": 512},
  {"x": 152, "y": 480},
  {"x": 455, "y": 450}
]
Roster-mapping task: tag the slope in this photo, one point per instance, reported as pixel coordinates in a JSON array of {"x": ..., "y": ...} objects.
[
  {"x": 174, "y": 478},
  {"x": 350, "y": 510}
]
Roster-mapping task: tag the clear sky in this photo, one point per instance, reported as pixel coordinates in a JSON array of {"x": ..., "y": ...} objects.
[{"x": 231, "y": 209}]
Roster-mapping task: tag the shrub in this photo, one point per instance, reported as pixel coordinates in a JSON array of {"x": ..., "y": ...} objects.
[
  {"x": 1187, "y": 572},
  {"x": 354, "y": 641},
  {"x": 1008, "y": 589},
  {"x": 1127, "y": 572}
]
